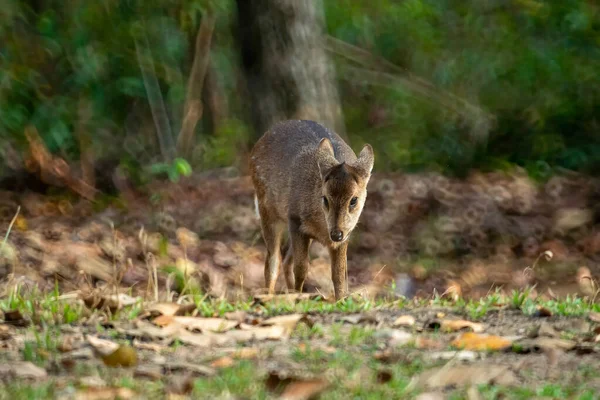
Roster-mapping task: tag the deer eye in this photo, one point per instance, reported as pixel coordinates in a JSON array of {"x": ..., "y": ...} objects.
[
  {"x": 353, "y": 202},
  {"x": 325, "y": 202}
]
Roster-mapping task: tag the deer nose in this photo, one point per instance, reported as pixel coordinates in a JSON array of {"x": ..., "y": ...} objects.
[{"x": 336, "y": 235}]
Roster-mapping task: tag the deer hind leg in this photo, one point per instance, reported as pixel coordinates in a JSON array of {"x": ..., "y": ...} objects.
[
  {"x": 288, "y": 267},
  {"x": 272, "y": 232}
]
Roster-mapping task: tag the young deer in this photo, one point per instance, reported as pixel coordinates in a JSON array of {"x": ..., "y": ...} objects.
[{"x": 308, "y": 178}]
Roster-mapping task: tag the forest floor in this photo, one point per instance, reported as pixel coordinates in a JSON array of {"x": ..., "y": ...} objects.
[{"x": 157, "y": 294}]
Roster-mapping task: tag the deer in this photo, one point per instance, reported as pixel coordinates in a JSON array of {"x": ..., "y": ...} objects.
[{"x": 308, "y": 180}]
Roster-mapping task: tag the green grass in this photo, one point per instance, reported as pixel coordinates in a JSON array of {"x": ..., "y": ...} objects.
[{"x": 342, "y": 352}]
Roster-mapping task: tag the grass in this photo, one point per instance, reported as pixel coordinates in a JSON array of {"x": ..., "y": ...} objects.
[{"x": 342, "y": 352}]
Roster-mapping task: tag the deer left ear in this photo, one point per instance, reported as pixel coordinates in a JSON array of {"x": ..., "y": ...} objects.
[{"x": 365, "y": 160}]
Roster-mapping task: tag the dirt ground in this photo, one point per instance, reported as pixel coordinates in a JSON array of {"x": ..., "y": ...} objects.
[{"x": 496, "y": 254}]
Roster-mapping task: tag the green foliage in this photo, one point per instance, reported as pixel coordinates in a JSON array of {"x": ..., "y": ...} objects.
[
  {"x": 74, "y": 67},
  {"x": 529, "y": 63}
]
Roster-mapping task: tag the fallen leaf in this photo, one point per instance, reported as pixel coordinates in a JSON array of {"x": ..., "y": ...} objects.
[
  {"x": 170, "y": 309},
  {"x": 15, "y": 318},
  {"x": 465, "y": 375},
  {"x": 479, "y": 342},
  {"x": 289, "y": 321},
  {"x": 123, "y": 356},
  {"x": 197, "y": 369},
  {"x": 427, "y": 343},
  {"x": 222, "y": 362},
  {"x": 291, "y": 388},
  {"x": 105, "y": 393},
  {"x": 462, "y": 355},
  {"x": 594, "y": 316},
  {"x": 182, "y": 385},
  {"x": 284, "y": 298},
  {"x": 23, "y": 370},
  {"x": 395, "y": 337},
  {"x": 200, "y": 324},
  {"x": 540, "y": 343},
  {"x": 238, "y": 316},
  {"x": 449, "y": 325},
  {"x": 92, "y": 381},
  {"x": 404, "y": 320},
  {"x": 384, "y": 376},
  {"x": 66, "y": 344},
  {"x": 359, "y": 318},
  {"x": 543, "y": 312},
  {"x": 431, "y": 396},
  {"x": 149, "y": 371},
  {"x": 102, "y": 346}
]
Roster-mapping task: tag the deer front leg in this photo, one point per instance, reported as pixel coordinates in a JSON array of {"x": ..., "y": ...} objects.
[{"x": 338, "y": 269}]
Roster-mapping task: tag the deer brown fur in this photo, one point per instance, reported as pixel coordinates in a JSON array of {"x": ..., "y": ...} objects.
[{"x": 307, "y": 179}]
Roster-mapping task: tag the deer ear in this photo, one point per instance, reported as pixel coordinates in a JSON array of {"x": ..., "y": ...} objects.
[
  {"x": 325, "y": 157},
  {"x": 365, "y": 161}
]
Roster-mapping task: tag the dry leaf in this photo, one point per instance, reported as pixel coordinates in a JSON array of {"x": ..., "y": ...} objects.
[
  {"x": 22, "y": 369},
  {"x": 359, "y": 318},
  {"x": 594, "y": 316},
  {"x": 182, "y": 385},
  {"x": 149, "y": 371},
  {"x": 404, "y": 320},
  {"x": 102, "y": 347},
  {"x": 114, "y": 302},
  {"x": 541, "y": 343},
  {"x": 222, "y": 362},
  {"x": 474, "y": 341},
  {"x": 170, "y": 309},
  {"x": 384, "y": 376},
  {"x": 292, "y": 388},
  {"x": 15, "y": 318},
  {"x": 449, "y": 325},
  {"x": 427, "y": 343},
  {"x": 200, "y": 324},
  {"x": 105, "y": 393},
  {"x": 465, "y": 375},
  {"x": 284, "y": 298}
]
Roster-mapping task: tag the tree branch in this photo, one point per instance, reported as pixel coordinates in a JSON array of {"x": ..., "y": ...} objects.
[{"x": 193, "y": 101}]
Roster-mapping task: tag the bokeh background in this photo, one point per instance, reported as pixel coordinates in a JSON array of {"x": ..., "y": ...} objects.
[{"x": 118, "y": 115}]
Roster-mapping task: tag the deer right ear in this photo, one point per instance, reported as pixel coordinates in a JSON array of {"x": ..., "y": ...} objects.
[{"x": 325, "y": 157}]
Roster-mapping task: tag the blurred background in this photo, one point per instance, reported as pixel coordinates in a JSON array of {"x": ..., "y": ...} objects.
[{"x": 482, "y": 114}]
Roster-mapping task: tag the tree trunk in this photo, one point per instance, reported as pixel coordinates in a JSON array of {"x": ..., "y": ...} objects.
[{"x": 288, "y": 74}]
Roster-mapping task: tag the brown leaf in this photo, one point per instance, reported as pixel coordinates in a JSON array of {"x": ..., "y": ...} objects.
[
  {"x": 23, "y": 370},
  {"x": 594, "y": 316},
  {"x": 149, "y": 371},
  {"x": 284, "y": 298},
  {"x": 238, "y": 316},
  {"x": 449, "y": 325},
  {"x": 359, "y": 318},
  {"x": 427, "y": 343},
  {"x": 181, "y": 385},
  {"x": 15, "y": 318},
  {"x": 222, "y": 362},
  {"x": 170, "y": 309},
  {"x": 105, "y": 393},
  {"x": 543, "y": 312},
  {"x": 541, "y": 343},
  {"x": 292, "y": 388},
  {"x": 404, "y": 320},
  {"x": 479, "y": 342},
  {"x": 465, "y": 375},
  {"x": 114, "y": 302},
  {"x": 203, "y": 324},
  {"x": 289, "y": 322},
  {"x": 102, "y": 347},
  {"x": 384, "y": 376}
]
